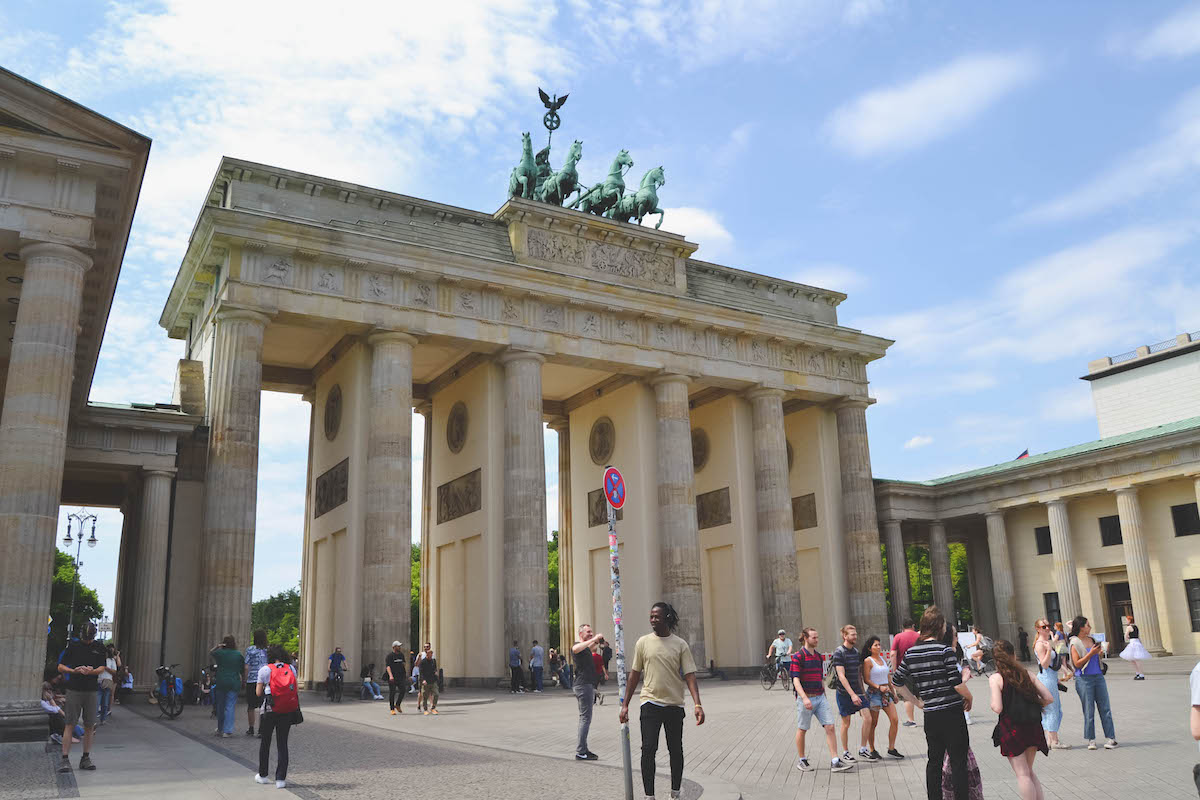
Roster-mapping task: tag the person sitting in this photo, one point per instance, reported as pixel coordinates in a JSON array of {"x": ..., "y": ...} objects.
[
  {"x": 205, "y": 688},
  {"x": 370, "y": 689},
  {"x": 54, "y": 714}
]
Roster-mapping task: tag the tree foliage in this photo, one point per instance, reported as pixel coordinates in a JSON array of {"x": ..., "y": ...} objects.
[
  {"x": 414, "y": 621},
  {"x": 920, "y": 582},
  {"x": 87, "y": 604},
  {"x": 555, "y": 615},
  {"x": 279, "y": 616}
]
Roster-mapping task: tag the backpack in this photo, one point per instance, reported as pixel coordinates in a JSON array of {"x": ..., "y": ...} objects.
[
  {"x": 284, "y": 697},
  {"x": 831, "y": 679}
]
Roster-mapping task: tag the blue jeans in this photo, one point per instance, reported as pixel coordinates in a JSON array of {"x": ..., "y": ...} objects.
[
  {"x": 565, "y": 678},
  {"x": 226, "y": 701},
  {"x": 537, "y": 678},
  {"x": 105, "y": 695},
  {"x": 1093, "y": 694}
]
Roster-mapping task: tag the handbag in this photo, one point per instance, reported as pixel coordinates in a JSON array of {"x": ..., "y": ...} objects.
[{"x": 297, "y": 717}]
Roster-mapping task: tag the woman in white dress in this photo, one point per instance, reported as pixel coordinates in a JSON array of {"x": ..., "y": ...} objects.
[{"x": 1135, "y": 650}]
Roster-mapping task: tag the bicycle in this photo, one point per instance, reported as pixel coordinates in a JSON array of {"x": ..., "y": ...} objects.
[
  {"x": 772, "y": 671},
  {"x": 333, "y": 687},
  {"x": 168, "y": 694}
]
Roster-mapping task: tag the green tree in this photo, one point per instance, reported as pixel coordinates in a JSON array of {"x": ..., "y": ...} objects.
[
  {"x": 87, "y": 604},
  {"x": 279, "y": 616},
  {"x": 961, "y": 583},
  {"x": 414, "y": 613},
  {"x": 555, "y": 615}
]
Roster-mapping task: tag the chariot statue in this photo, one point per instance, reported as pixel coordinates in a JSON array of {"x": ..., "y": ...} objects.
[{"x": 643, "y": 202}]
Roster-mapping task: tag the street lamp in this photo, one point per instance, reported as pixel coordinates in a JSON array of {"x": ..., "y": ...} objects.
[{"x": 81, "y": 517}]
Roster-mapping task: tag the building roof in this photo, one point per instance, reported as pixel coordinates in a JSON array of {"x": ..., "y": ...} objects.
[{"x": 1062, "y": 453}]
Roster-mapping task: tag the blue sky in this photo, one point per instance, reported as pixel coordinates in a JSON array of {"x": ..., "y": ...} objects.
[{"x": 1008, "y": 191}]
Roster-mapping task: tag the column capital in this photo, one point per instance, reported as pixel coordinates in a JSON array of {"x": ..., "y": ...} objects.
[
  {"x": 243, "y": 314},
  {"x": 668, "y": 377},
  {"x": 851, "y": 402},
  {"x": 509, "y": 356},
  {"x": 1125, "y": 491},
  {"x": 158, "y": 473},
  {"x": 1060, "y": 502},
  {"x": 378, "y": 337},
  {"x": 424, "y": 408},
  {"x": 993, "y": 513},
  {"x": 60, "y": 251},
  {"x": 764, "y": 391},
  {"x": 559, "y": 424}
]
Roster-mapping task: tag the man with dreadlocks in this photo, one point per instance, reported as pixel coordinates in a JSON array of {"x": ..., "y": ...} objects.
[{"x": 662, "y": 657}]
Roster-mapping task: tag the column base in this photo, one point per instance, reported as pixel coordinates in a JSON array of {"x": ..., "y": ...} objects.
[
  {"x": 23, "y": 722},
  {"x": 1159, "y": 653}
]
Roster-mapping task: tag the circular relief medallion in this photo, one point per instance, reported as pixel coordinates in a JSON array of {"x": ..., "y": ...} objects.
[
  {"x": 456, "y": 427},
  {"x": 790, "y": 454},
  {"x": 333, "y": 412},
  {"x": 602, "y": 440},
  {"x": 699, "y": 449}
]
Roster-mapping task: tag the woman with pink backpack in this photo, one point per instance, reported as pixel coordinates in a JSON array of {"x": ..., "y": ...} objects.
[{"x": 276, "y": 685}]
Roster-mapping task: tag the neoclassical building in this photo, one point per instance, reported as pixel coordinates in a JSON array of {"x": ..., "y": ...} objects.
[{"x": 1104, "y": 528}]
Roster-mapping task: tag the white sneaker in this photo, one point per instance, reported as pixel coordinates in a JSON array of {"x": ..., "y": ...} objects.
[
  {"x": 1110, "y": 744},
  {"x": 280, "y": 784},
  {"x": 1092, "y": 745},
  {"x": 260, "y": 779}
]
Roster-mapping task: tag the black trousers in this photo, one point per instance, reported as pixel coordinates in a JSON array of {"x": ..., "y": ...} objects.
[
  {"x": 670, "y": 719},
  {"x": 946, "y": 732},
  {"x": 280, "y": 724},
  {"x": 517, "y": 682},
  {"x": 396, "y": 688},
  {"x": 57, "y": 724}
]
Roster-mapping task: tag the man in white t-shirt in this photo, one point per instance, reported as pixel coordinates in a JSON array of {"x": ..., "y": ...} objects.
[
  {"x": 780, "y": 648},
  {"x": 1195, "y": 686}
]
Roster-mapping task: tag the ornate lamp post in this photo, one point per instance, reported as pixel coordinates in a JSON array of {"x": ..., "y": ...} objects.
[{"x": 81, "y": 517}]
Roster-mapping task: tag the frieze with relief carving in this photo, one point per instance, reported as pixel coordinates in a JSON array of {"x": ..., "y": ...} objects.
[
  {"x": 459, "y": 497},
  {"x": 713, "y": 509},
  {"x": 804, "y": 512},
  {"x": 626, "y": 263},
  {"x": 557, "y": 249},
  {"x": 332, "y": 488}
]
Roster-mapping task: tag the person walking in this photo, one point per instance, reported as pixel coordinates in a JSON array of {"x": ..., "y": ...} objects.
[
  {"x": 881, "y": 696},
  {"x": 807, "y": 671},
  {"x": 1090, "y": 684},
  {"x": 230, "y": 666},
  {"x": 256, "y": 659},
  {"x": 903, "y": 640},
  {"x": 665, "y": 662},
  {"x": 1048, "y": 667},
  {"x": 1023, "y": 636},
  {"x": 428, "y": 698},
  {"x": 537, "y": 665},
  {"x": 397, "y": 677},
  {"x": 931, "y": 673},
  {"x": 585, "y": 687},
  {"x": 847, "y": 664},
  {"x": 517, "y": 684},
  {"x": 112, "y": 663},
  {"x": 1134, "y": 650},
  {"x": 606, "y": 654},
  {"x": 275, "y": 686},
  {"x": 81, "y": 661},
  {"x": 1019, "y": 701}
]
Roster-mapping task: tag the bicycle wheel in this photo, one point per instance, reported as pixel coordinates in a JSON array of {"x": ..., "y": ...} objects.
[
  {"x": 171, "y": 704},
  {"x": 337, "y": 691},
  {"x": 766, "y": 676}
]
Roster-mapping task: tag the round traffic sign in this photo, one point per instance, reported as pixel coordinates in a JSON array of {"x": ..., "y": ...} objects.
[{"x": 614, "y": 487}]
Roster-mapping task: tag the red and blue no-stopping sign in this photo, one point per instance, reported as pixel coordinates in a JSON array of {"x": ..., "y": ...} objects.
[{"x": 614, "y": 487}]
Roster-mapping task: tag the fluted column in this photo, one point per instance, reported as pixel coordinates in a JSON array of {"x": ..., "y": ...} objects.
[
  {"x": 939, "y": 566},
  {"x": 773, "y": 509},
  {"x": 1137, "y": 566},
  {"x": 231, "y": 493},
  {"x": 387, "y": 543},
  {"x": 566, "y": 571},
  {"x": 897, "y": 560},
  {"x": 678, "y": 531},
  {"x": 33, "y": 440},
  {"x": 1065, "y": 579},
  {"x": 526, "y": 582},
  {"x": 149, "y": 577},
  {"x": 423, "y": 598},
  {"x": 1002, "y": 581},
  {"x": 864, "y": 564}
]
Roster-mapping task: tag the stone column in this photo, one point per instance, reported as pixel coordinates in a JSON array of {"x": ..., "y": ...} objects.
[
  {"x": 423, "y": 600},
  {"x": 33, "y": 441},
  {"x": 864, "y": 565},
  {"x": 526, "y": 583},
  {"x": 897, "y": 560},
  {"x": 1065, "y": 579},
  {"x": 231, "y": 494},
  {"x": 1137, "y": 566},
  {"x": 1002, "y": 581},
  {"x": 678, "y": 531},
  {"x": 144, "y": 649},
  {"x": 939, "y": 566},
  {"x": 773, "y": 507},
  {"x": 566, "y": 571},
  {"x": 387, "y": 540}
]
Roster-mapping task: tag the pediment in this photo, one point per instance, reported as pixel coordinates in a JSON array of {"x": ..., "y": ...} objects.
[{"x": 28, "y": 108}]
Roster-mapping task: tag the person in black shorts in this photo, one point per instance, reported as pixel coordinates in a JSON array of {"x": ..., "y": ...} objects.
[{"x": 82, "y": 662}]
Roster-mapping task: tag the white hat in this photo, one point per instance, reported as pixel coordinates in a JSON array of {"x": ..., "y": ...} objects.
[
  {"x": 396, "y": 644},
  {"x": 781, "y": 632}
]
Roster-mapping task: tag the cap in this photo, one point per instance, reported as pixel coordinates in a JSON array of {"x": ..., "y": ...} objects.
[
  {"x": 396, "y": 644},
  {"x": 780, "y": 632}
]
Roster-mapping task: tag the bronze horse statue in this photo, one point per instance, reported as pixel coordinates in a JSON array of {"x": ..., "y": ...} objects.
[
  {"x": 604, "y": 195},
  {"x": 643, "y": 202},
  {"x": 523, "y": 180},
  {"x": 564, "y": 183}
]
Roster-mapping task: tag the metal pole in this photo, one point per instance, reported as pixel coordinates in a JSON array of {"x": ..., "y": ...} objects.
[
  {"x": 619, "y": 635},
  {"x": 74, "y": 581}
]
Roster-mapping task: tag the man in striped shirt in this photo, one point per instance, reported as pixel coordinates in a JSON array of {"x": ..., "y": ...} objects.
[
  {"x": 809, "y": 687},
  {"x": 930, "y": 671}
]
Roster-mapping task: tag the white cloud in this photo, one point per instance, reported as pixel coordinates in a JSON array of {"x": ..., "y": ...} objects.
[
  {"x": 702, "y": 227},
  {"x": 1171, "y": 158},
  {"x": 837, "y": 277},
  {"x": 1178, "y": 36},
  {"x": 918, "y": 442},
  {"x": 1070, "y": 403},
  {"x": 929, "y": 107}
]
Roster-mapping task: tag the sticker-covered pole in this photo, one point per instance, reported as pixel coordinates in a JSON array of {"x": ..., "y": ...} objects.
[{"x": 618, "y": 626}]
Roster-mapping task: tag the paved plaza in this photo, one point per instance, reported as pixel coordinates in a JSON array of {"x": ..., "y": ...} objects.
[{"x": 491, "y": 744}]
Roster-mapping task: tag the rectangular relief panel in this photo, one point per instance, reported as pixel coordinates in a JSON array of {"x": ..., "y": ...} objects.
[
  {"x": 459, "y": 497},
  {"x": 332, "y": 488},
  {"x": 804, "y": 512},
  {"x": 712, "y": 509},
  {"x": 598, "y": 509}
]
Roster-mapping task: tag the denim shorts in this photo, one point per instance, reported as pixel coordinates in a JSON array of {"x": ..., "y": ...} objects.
[
  {"x": 877, "y": 700},
  {"x": 820, "y": 709},
  {"x": 846, "y": 706}
]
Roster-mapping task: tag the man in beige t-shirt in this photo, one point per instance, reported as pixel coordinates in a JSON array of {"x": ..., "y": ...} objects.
[{"x": 661, "y": 658}]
